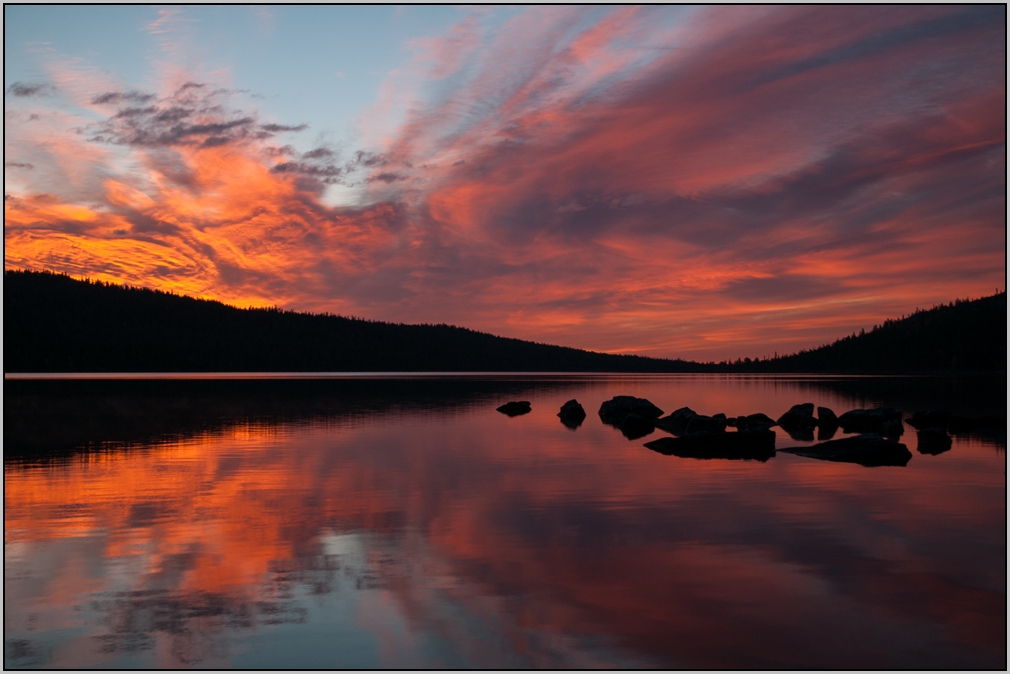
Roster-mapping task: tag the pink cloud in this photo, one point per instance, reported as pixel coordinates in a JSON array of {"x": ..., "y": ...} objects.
[{"x": 688, "y": 183}]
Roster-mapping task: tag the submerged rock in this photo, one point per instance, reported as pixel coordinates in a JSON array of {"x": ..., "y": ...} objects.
[
  {"x": 867, "y": 449},
  {"x": 928, "y": 419},
  {"x": 516, "y": 407},
  {"x": 572, "y": 414},
  {"x": 685, "y": 421},
  {"x": 881, "y": 420},
  {"x": 758, "y": 445},
  {"x": 827, "y": 423},
  {"x": 826, "y": 432},
  {"x": 755, "y": 421},
  {"x": 933, "y": 441},
  {"x": 615, "y": 410},
  {"x": 801, "y": 433},
  {"x": 636, "y": 426},
  {"x": 826, "y": 417},
  {"x": 799, "y": 416}
]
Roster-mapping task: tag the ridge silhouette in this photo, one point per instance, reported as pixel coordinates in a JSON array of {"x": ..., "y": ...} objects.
[{"x": 54, "y": 323}]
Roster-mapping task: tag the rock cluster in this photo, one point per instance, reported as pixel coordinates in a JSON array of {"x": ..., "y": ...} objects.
[
  {"x": 866, "y": 449},
  {"x": 634, "y": 416},
  {"x": 756, "y": 444},
  {"x": 516, "y": 407},
  {"x": 705, "y": 437}
]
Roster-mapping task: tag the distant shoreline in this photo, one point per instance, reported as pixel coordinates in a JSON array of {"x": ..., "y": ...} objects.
[
  {"x": 234, "y": 376},
  {"x": 59, "y": 325}
]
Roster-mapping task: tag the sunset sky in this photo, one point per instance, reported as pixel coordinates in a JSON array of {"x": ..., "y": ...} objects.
[{"x": 693, "y": 182}]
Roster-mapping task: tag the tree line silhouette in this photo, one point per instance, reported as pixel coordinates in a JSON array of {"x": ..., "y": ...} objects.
[{"x": 53, "y": 323}]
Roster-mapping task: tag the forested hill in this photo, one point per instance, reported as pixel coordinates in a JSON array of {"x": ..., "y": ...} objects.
[
  {"x": 963, "y": 336},
  {"x": 53, "y": 323}
]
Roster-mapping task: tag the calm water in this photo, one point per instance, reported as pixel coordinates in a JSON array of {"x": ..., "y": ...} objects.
[{"x": 406, "y": 523}]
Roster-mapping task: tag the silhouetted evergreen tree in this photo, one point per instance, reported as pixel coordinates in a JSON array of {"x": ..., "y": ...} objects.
[{"x": 53, "y": 323}]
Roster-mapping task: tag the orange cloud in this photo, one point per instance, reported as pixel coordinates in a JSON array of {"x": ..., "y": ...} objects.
[{"x": 704, "y": 184}]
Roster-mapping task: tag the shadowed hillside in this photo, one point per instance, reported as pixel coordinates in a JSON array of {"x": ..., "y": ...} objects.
[
  {"x": 963, "y": 336},
  {"x": 53, "y": 323}
]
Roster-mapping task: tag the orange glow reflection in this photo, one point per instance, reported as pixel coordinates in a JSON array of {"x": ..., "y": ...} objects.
[{"x": 665, "y": 558}]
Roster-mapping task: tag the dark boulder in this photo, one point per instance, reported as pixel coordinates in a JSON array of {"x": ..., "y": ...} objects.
[
  {"x": 680, "y": 416},
  {"x": 799, "y": 416},
  {"x": 614, "y": 411},
  {"x": 636, "y": 426},
  {"x": 755, "y": 421},
  {"x": 515, "y": 408},
  {"x": 933, "y": 441},
  {"x": 928, "y": 419},
  {"x": 801, "y": 433},
  {"x": 758, "y": 445},
  {"x": 867, "y": 449},
  {"x": 882, "y": 420},
  {"x": 572, "y": 414},
  {"x": 827, "y": 423},
  {"x": 826, "y": 417},
  {"x": 826, "y": 432},
  {"x": 704, "y": 424},
  {"x": 685, "y": 420}
]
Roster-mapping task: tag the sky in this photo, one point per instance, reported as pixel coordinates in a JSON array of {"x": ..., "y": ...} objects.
[{"x": 704, "y": 182}]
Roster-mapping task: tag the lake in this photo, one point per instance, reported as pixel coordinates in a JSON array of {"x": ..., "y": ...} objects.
[{"x": 402, "y": 522}]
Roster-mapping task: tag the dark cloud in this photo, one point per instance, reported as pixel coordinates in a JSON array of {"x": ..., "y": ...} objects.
[
  {"x": 281, "y": 128},
  {"x": 22, "y": 89},
  {"x": 369, "y": 159},
  {"x": 21, "y": 165},
  {"x": 190, "y": 117},
  {"x": 321, "y": 165},
  {"x": 318, "y": 153},
  {"x": 117, "y": 97},
  {"x": 326, "y": 173},
  {"x": 387, "y": 178},
  {"x": 899, "y": 36}
]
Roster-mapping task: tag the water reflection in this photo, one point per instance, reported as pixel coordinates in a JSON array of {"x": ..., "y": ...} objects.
[{"x": 357, "y": 530}]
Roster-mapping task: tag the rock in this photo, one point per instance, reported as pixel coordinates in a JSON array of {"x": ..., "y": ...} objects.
[
  {"x": 799, "y": 416},
  {"x": 827, "y": 423},
  {"x": 681, "y": 416},
  {"x": 685, "y": 420},
  {"x": 933, "y": 441},
  {"x": 758, "y": 445},
  {"x": 755, "y": 421},
  {"x": 515, "y": 408},
  {"x": 636, "y": 426},
  {"x": 928, "y": 419},
  {"x": 703, "y": 424},
  {"x": 572, "y": 414},
  {"x": 882, "y": 420},
  {"x": 867, "y": 449},
  {"x": 801, "y": 433},
  {"x": 826, "y": 417},
  {"x": 826, "y": 432},
  {"x": 614, "y": 411}
]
